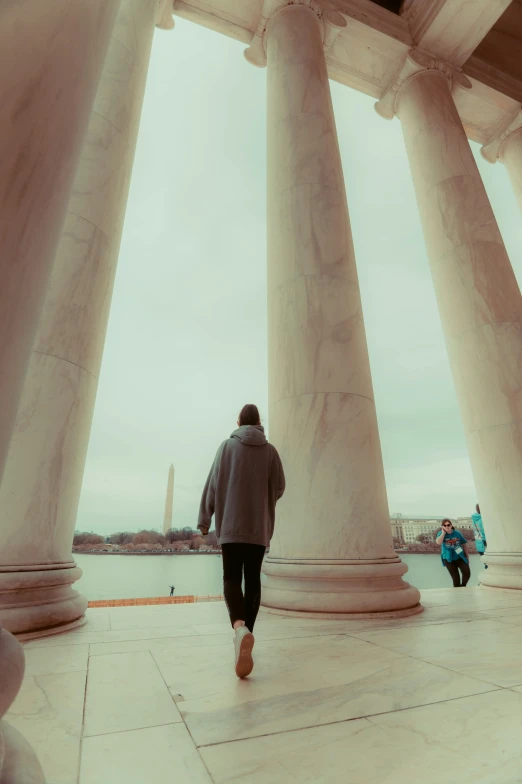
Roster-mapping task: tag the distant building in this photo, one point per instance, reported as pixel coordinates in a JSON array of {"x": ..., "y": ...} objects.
[
  {"x": 396, "y": 527},
  {"x": 406, "y": 528}
]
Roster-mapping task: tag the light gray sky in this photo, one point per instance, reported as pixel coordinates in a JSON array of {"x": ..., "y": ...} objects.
[{"x": 186, "y": 343}]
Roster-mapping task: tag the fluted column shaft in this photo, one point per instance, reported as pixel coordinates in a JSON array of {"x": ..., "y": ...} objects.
[
  {"x": 51, "y": 56},
  {"x": 40, "y": 492},
  {"x": 480, "y": 307},
  {"x": 332, "y": 549}
]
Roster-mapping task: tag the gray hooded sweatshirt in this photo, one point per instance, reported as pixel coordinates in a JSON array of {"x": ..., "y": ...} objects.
[{"x": 245, "y": 482}]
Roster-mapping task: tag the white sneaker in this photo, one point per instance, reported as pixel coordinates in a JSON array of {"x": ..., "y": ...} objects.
[{"x": 244, "y": 642}]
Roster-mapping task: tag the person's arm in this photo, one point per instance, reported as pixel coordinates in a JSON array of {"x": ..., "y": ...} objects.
[
  {"x": 464, "y": 544},
  {"x": 208, "y": 497},
  {"x": 440, "y": 537}
]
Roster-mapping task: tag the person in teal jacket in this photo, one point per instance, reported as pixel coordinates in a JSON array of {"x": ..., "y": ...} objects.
[
  {"x": 454, "y": 553},
  {"x": 480, "y": 535}
]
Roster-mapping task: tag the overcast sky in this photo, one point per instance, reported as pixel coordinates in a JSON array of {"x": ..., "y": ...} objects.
[{"x": 186, "y": 343}]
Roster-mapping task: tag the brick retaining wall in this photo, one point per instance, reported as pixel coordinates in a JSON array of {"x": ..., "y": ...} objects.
[{"x": 154, "y": 600}]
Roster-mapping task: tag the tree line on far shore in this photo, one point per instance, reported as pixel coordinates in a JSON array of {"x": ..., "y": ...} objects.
[
  {"x": 174, "y": 540},
  {"x": 184, "y": 539}
]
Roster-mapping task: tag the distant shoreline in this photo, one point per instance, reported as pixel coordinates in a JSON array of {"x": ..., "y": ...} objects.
[{"x": 145, "y": 552}]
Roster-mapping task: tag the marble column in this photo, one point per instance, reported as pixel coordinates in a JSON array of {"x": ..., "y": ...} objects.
[
  {"x": 51, "y": 55},
  {"x": 332, "y": 550},
  {"x": 478, "y": 298},
  {"x": 40, "y": 491},
  {"x": 506, "y": 146}
]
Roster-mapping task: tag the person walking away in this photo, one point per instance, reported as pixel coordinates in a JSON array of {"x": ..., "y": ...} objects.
[
  {"x": 480, "y": 535},
  {"x": 454, "y": 553},
  {"x": 172, "y": 590},
  {"x": 244, "y": 484}
]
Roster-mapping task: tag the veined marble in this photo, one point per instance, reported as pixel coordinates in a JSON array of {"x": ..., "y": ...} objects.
[
  {"x": 41, "y": 488},
  {"x": 322, "y": 412},
  {"x": 480, "y": 305},
  {"x": 327, "y": 701},
  {"x": 47, "y": 92}
]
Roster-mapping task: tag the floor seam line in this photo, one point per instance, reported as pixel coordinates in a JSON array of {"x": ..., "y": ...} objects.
[
  {"x": 446, "y": 669},
  {"x": 80, "y": 749},
  {"x": 354, "y": 718},
  {"x": 135, "y": 729},
  {"x": 182, "y": 718}
]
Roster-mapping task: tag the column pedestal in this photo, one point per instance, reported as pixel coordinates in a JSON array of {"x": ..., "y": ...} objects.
[
  {"x": 339, "y": 589},
  {"x": 332, "y": 552}
]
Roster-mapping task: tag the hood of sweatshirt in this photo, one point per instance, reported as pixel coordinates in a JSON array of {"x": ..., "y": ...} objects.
[
  {"x": 476, "y": 517},
  {"x": 250, "y": 435}
]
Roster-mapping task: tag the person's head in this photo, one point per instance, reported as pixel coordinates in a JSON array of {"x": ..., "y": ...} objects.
[
  {"x": 249, "y": 415},
  {"x": 447, "y": 525},
  {"x": 478, "y": 509}
]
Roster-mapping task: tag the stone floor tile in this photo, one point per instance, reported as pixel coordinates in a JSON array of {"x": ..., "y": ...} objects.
[
  {"x": 125, "y": 691},
  {"x": 96, "y": 619},
  {"x": 160, "y": 644},
  {"x": 298, "y": 683},
  {"x": 48, "y": 712},
  {"x": 155, "y": 755},
  {"x": 486, "y": 650},
  {"x": 343, "y": 752},
  {"x": 78, "y": 637},
  {"x": 55, "y": 659},
  {"x": 472, "y": 740}
]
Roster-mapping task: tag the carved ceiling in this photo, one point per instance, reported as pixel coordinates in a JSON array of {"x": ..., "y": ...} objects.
[{"x": 483, "y": 37}]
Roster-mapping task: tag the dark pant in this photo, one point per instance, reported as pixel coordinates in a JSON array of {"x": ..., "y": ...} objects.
[
  {"x": 239, "y": 559},
  {"x": 453, "y": 568}
]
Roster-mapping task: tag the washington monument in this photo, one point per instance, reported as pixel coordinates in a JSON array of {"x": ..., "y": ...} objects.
[{"x": 167, "y": 520}]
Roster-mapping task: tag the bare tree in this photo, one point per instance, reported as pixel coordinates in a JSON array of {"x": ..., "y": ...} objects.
[{"x": 124, "y": 537}]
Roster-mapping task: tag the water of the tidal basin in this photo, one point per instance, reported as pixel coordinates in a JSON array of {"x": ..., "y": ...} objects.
[{"x": 134, "y": 576}]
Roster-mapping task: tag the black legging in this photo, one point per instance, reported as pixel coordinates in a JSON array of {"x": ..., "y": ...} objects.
[
  {"x": 453, "y": 568},
  {"x": 238, "y": 557}
]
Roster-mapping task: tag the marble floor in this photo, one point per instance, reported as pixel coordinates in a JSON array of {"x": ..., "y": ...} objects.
[{"x": 148, "y": 695}]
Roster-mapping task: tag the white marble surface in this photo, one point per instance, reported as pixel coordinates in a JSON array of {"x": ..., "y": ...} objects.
[
  {"x": 322, "y": 411},
  {"x": 47, "y": 92},
  {"x": 328, "y": 701},
  {"x": 56, "y": 659},
  {"x": 48, "y": 712},
  {"x": 452, "y": 30},
  {"x": 329, "y": 490},
  {"x": 126, "y": 692},
  {"x": 154, "y": 755},
  {"x": 303, "y": 682},
  {"x": 511, "y": 157},
  {"x": 474, "y": 739},
  {"x": 480, "y": 305},
  {"x": 41, "y": 488}
]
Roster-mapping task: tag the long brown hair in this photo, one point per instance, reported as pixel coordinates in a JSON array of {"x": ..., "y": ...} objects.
[{"x": 249, "y": 415}]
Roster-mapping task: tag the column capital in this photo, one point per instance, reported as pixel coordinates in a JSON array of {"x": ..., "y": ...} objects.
[
  {"x": 492, "y": 149},
  {"x": 332, "y": 22},
  {"x": 164, "y": 13},
  {"x": 417, "y": 62}
]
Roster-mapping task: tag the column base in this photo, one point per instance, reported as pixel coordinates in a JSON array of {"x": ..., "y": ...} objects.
[
  {"x": 341, "y": 589},
  {"x": 38, "y": 600},
  {"x": 504, "y": 571}
]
